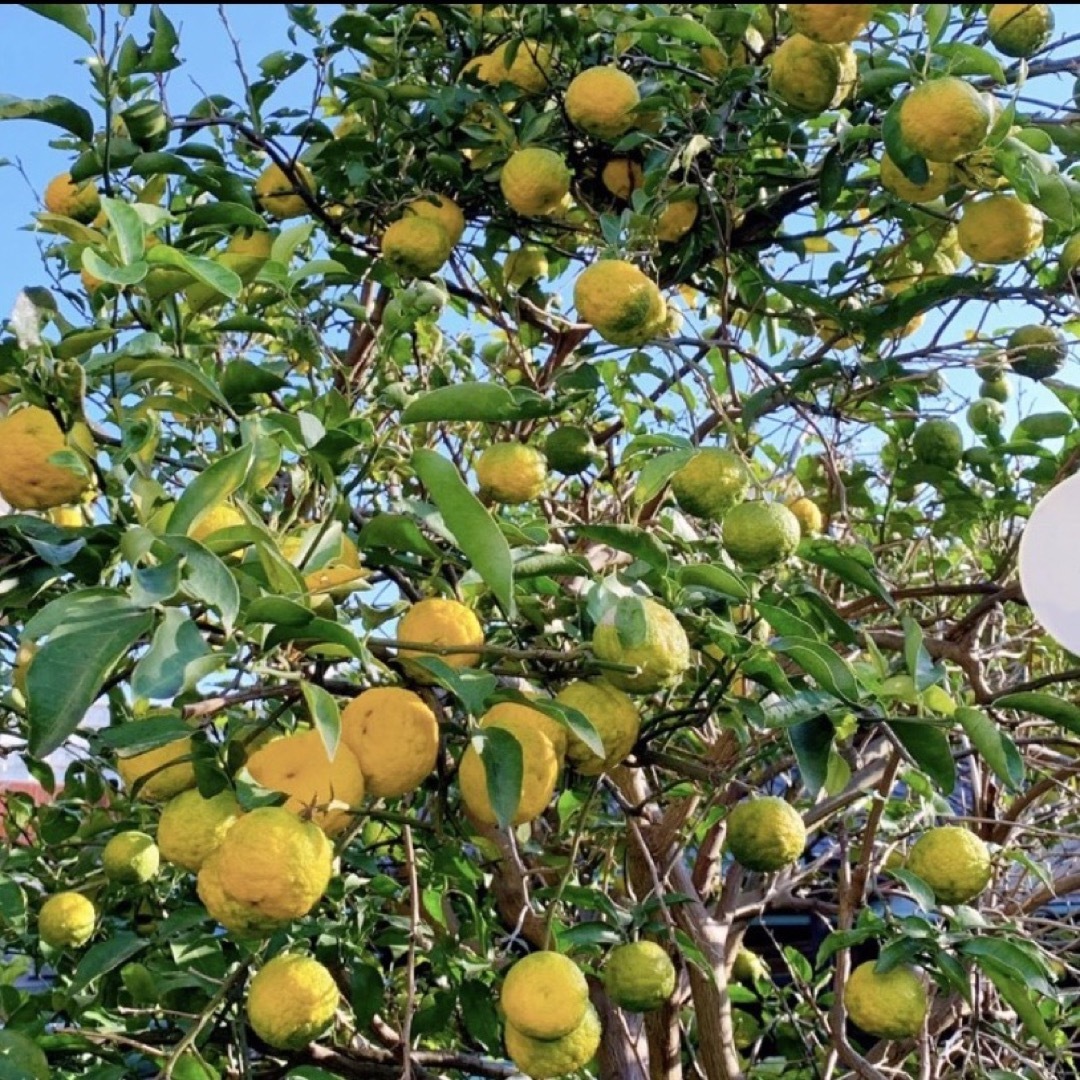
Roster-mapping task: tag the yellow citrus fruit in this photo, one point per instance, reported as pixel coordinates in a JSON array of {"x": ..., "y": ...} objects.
[
  {"x": 945, "y": 119},
  {"x": 830, "y": 23},
  {"x": 641, "y": 632},
  {"x": 639, "y": 977},
  {"x": 529, "y": 70},
  {"x": 486, "y": 67},
  {"x": 333, "y": 570},
  {"x": 890, "y": 1006},
  {"x": 748, "y": 967},
  {"x": 191, "y": 827},
  {"x": 257, "y": 244},
  {"x": 446, "y": 623},
  {"x": 291, "y": 1001},
  {"x": 543, "y": 1059},
  {"x": 165, "y": 775},
  {"x": 274, "y": 862},
  {"x": 540, "y": 771},
  {"x": 66, "y": 920},
  {"x": 79, "y": 201},
  {"x": 28, "y": 480},
  {"x": 953, "y": 861},
  {"x": 623, "y": 304},
  {"x": 511, "y": 473},
  {"x": 131, "y": 858},
  {"x": 240, "y": 918},
  {"x": 525, "y": 714},
  {"x": 808, "y": 514},
  {"x": 67, "y": 517},
  {"x": 443, "y": 210},
  {"x": 811, "y": 77},
  {"x": 22, "y": 1057},
  {"x": 710, "y": 483},
  {"x": 1020, "y": 29},
  {"x": 545, "y": 995},
  {"x": 416, "y": 246},
  {"x": 765, "y": 834},
  {"x": 894, "y": 181},
  {"x": 299, "y": 766},
  {"x": 614, "y": 716},
  {"x": 213, "y": 520},
  {"x": 938, "y": 442},
  {"x": 395, "y": 737},
  {"x": 1036, "y": 352},
  {"x": 622, "y": 177},
  {"x": 676, "y": 220},
  {"x": 601, "y": 102},
  {"x": 535, "y": 181},
  {"x": 1000, "y": 229},
  {"x": 741, "y": 53},
  {"x": 527, "y": 263},
  {"x": 279, "y": 196},
  {"x": 758, "y": 535}
]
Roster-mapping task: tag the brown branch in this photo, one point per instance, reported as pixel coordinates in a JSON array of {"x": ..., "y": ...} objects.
[{"x": 371, "y": 1063}]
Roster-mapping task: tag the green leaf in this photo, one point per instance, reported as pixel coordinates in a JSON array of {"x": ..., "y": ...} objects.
[
  {"x": 242, "y": 378},
  {"x": 920, "y": 891},
  {"x": 911, "y": 164},
  {"x": 657, "y": 471},
  {"x": 151, "y": 585},
  {"x": 715, "y": 578},
  {"x": 325, "y": 715},
  {"x": 827, "y": 669},
  {"x": 473, "y": 401},
  {"x": 209, "y": 489},
  {"x": 995, "y": 746},
  {"x": 160, "y": 54},
  {"x": 127, "y": 228},
  {"x": 928, "y": 746},
  {"x": 503, "y": 769},
  {"x": 852, "y": 563},
  {"x": 178, "y": 373},
  {"x": 812, "y": 742},
  {"x": 681, "y": 27},
  {"x": 69, "y": 670},
  {"x": 94, "y": 264},
  {"x": 631, "y": 622},
  {"x": 572, "y": 719},
  {"x": 936, "y": 17},
  {"x": 965, "y": 59},
  {"x": 177, "y": 659},
  {"x": 218, "y": 277},
  {"x": 1020, "y": 962},
  {"x": 919, "y": 664},
  {"x": 61, "y": 112},
  {"x": 396, "y": 532},
  {"x": 1050, "y": 706},
  {"x": 72, "y": 17},
  {"x": 105, "y": 956},
  {"x": 80, "y": 342},
  {"x": 1018, "y": 999},
  {"x": 475, "y": 530},
  {"x": 629, "y": 538},
  {"x": 207, "y": 579},
  {"x": 471, "y": 688},
  {"x": 148, "y": 734}
]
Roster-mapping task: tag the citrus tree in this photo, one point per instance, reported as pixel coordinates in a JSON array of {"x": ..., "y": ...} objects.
[{"x": 506, "y": 538}]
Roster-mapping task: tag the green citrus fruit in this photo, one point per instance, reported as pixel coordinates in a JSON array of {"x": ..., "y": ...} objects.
[
  {"x": 748, "y": 967},
  {"x": 711, "y": 483},
  {"x": 938, "y": 442},
  {"x": 570, "y": 450},
  {"x": 758, "y": 535},
  {"x": 985, "y": 415},
  {"x": 953, "y": 861},
  {"x": 637, "y": 630},
  {"x": 995, "y": 389},
  {"x": 131, "y": 858},
  {"x": 890, "y": 1006},
  {"x": 1037, "y": 352},
  {"x": 765, "y": 834},
  {"x": 639, "y": 977},
  {"x": 1020, "y": 29}
]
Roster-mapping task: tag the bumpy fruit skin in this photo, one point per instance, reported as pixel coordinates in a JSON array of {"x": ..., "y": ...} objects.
[
  {"x": 543, "y": 1059},
  {"x": 894, "y": 181},
  {"x": 758, "y": 535},
  {"x": 540, "y": 771},
  {"x": 639, "y": 977},
  {"x": 527, "y": 263},
  {"x": 299, "y": 766},
  {"x": 192, "y": 828},
  {"x": 20, "y": 1053},
  {"x": 242, "y": 920},
  {"x": 545, "y": 995},
  {"x": 676, "y": 221},
  {"x": 28, "y": 481},
  {"x": 808, "y": 514},
  {"x": 291, "y": 1001},
  {"x": 222, "y": 516},
  {"x": 642, "y": 632},
  {"x": 1037, "y": 352},
  {"x": 890, "y": 1006},
  {"x": 529, "y": 70},
  {"x": 622, "y": 177},
  {"x": 830, "y": 23},
  {"x": 534, "y": 181},
  {"x": 765, "y": 834},
  {"x": 395, "y": 737},
  {"x": 985, "y": 415},
  {"x": 622, "y": 303},
  {"x": 442, "y": 210},
  {"x": 748, "y": 967},
  {"x": 570, "y": 450},
  {"x": 811, "y": 77},
  {"x": 66, "y": 920},
  {"x": 416, "y": 246},
  {"x": 170, "y": 781},
  {"x": 511, "y": 473},
  {"x": 436, "y": 621},
  {"x": 945, "y": 119},
  {"x": 953, "y": 861},
  {"x": 79, "y": 201},
  {"x": 278, "y": 195},
  {"x": 938, "y": 442},
  {"x": 600, "y": 101},
  {"x": 1020, "y": 29},
  {"x": 274, "y": 862},
  {"x": 1000, "y": 229},
  {"x": 614, "y": 716},
  {"x": 131, "y": 858},
  {"x": 711, "y": 483}
]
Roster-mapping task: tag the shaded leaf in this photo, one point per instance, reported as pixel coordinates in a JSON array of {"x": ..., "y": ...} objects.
[
  {"x": 929, "y": 747},
  {"x": 827, "y": 669},
  {"x": 59, "y": 111},
  {"x": 503, "y": 769},
  {"x": 994, "y": 745},
  {"x": 812, "y": 742}
]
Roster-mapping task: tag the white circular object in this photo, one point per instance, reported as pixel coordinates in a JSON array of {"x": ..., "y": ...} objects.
[{"x": 1049, "y": 568}]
